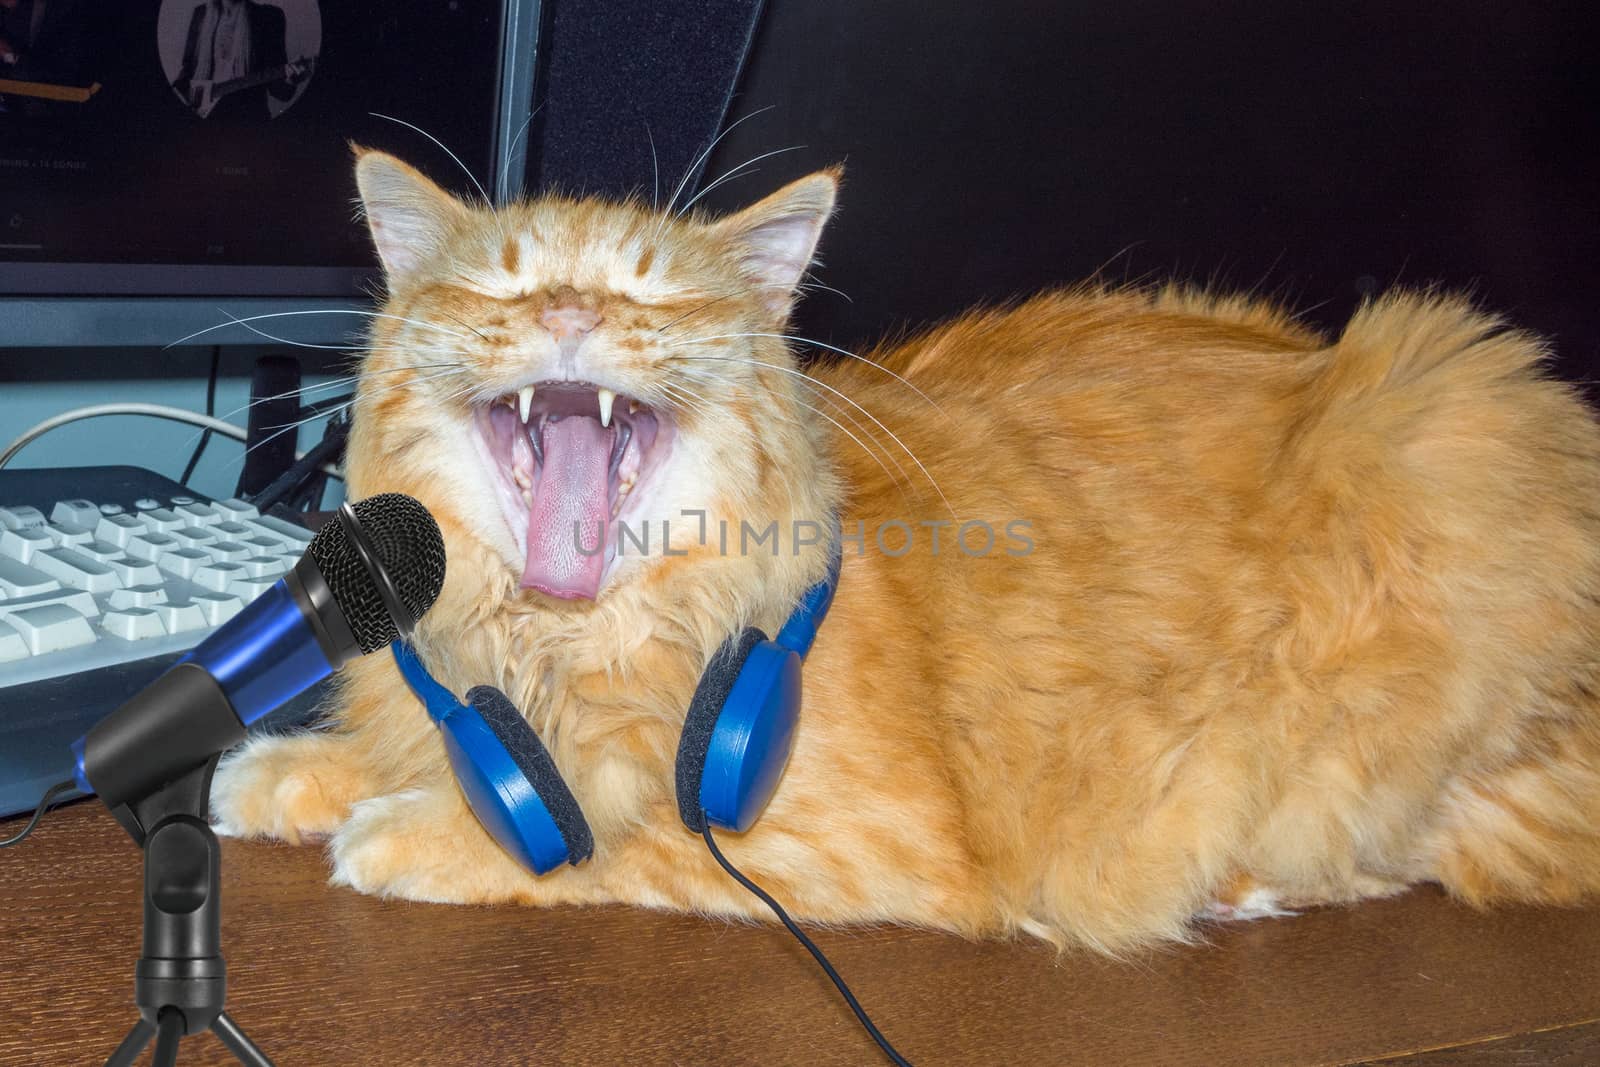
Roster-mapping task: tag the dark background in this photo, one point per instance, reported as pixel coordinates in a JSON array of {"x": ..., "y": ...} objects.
[
  {"x": 1316, "y": 151},
  {"x": 133, "y": 176}
]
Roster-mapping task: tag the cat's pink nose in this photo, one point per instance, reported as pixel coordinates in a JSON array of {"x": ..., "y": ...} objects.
[{"x": 569, "y": 322}]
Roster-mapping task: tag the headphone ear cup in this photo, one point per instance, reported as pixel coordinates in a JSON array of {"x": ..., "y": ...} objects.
[
  {"x": 512, "y": 784},
  {"x": 695, "y": 741}
]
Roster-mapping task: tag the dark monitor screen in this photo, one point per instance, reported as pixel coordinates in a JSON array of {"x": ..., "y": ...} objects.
[{"x": 202, "y": 147}]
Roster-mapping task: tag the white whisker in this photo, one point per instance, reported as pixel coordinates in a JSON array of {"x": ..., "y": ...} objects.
[
  {"x": 845, "y": 412},
  {"x": 729, "y": 296},
  {"x": 900, "y": 483},
  {"x": 312, "y": 311},
  {"x": 505, "y": 164},
  {"x": 479, "y": 185},
  {"x": 814, "y": 284},
  {"x": 295, "y": 426},
  {"x": 701, "y": 158},
  {"x": 818, "y": 344},
  {"x": 735, "y": 173},
  {"x": 334, "y": 383},
  {"x": 355, "y": 348},
  {"x": 875, "y": 420},
  {"x": 655, "y": 172}
]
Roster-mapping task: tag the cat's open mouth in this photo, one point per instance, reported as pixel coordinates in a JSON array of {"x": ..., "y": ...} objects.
[{"x": 572, "y": 459}]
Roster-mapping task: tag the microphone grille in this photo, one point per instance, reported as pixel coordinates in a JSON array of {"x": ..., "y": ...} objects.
[{"x": 408, "y": 545}]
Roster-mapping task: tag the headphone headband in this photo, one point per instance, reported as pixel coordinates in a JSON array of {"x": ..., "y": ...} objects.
[{"x": 801, "y": 629}]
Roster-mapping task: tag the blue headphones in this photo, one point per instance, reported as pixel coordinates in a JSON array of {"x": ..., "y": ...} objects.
[{"x": 731, "y": 754}]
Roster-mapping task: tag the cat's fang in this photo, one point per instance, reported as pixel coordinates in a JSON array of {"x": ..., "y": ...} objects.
[
  {"x": 525, "y": 401},
  {"x": 607, "y": 398}
]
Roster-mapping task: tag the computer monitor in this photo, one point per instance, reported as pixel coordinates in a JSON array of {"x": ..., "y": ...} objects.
[{"x": 162, "y": 159}]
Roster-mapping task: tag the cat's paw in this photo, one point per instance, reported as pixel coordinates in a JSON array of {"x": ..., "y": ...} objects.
[
  {"x": 291, "y": 788},
  {"x": 1255, "y": 902},
  {"x": 421, "y": 844}
]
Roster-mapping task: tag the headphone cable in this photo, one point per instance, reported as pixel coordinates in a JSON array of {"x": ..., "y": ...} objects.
[
  {"x": 777, "y": 909},
  {"x": 44, "y": 805}
]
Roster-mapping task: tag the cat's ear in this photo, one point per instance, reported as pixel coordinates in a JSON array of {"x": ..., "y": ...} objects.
[
  {"x": 409, "y": 216},
  {"x": 775, "y": 239}
]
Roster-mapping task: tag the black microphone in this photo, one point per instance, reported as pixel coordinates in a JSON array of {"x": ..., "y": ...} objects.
[{"x": 365, "y": 580}]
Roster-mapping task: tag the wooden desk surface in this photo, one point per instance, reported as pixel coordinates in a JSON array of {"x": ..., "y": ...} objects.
[{"x": 326, "y": 978}]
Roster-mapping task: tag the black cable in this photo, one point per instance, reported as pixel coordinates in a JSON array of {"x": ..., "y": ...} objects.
[
  {"x": 211, "y": 409},
  {"x": 330, "y": 448},
  {"x": 321, "y": 407},
  {"x": 44, "y": 805},
  {"x": 777, "y": 909}
]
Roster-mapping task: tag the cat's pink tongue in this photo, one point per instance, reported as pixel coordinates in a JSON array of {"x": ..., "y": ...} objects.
[{"x": 572, "y": 508}]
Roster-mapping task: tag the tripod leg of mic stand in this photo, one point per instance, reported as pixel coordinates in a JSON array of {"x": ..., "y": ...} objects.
[
  {"x": 243, "y": 1049},
  {"x": 133, "y": 1044},
  {"x": 169, "y": 1032}
]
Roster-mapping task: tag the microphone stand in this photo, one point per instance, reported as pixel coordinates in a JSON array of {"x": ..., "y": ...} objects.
[{"x": 180, "y": 981}]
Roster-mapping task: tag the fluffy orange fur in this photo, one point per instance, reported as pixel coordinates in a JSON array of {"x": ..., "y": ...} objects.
[{"x": 1304, "y": 620}]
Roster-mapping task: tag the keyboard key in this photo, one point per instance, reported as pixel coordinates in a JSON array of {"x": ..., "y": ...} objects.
[
  {"x": 181, "y": 617},
  {"x": 178, "y": 501},
  {"x": 218, "y": 608},
  {"x": 130, "y": 571},
  {"x": 12, "y": 646},
  {"x": 20, "y": 517},
  {"x": 247, "y": 589},
  {"x": 22, "y": 544},
  {"x": 264, "y": 545},
  {"x": 229, "y": 551},
  {"x": 71, "y": 533},
  {"x": 51, "y": 628},
  {"x": 99, "y": 551},
  {"x": 164, "y": 520},
  {"x": 145, "y": 503},
  {"x": 138, "y": 596},
  {"x": 273, "y": 526},
  {"x": 73, "y": 568},
  {"x": 119, "y": 529},
  {"x": 183, "y": 561},
  {"x": 79, "y": 601},
  {"x": 233, "y": 531},
  {"x": 151, "y": 545},
  {"x": 194, "y": 536},
  {"x": 111, "y": 509},
  {"x": 199, "y": 514},
  {"x": 133, "y": 624},
  {"x": 78, "y": 512},
  {"x": 264, "y": 566},
  {"x": 236, "y": 509},
  {"x": 218, "y": 576},
  {"x": 19, "y": 579}
]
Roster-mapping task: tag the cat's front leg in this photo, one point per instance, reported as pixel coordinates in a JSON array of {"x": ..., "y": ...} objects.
[
  {"x": 294, "y": 787},
  {"x": 425, "y": 844}
]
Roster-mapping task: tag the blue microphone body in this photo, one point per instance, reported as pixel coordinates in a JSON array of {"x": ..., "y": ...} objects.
[
  {"x": 285, "y": 641},
  {"x": 340, "y": 601},
  {"x": 265, "y": 656}
]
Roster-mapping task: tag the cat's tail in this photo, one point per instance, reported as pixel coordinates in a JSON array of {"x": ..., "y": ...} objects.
[
  {"x": 1473, "y": 477},
  {"x": 1408, "y": 338}
]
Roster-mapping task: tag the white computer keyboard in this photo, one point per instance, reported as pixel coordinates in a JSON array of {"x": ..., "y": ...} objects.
[{"x": 91, "y": 585}]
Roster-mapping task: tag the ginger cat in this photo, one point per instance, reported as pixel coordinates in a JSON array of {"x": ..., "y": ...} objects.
[{"x": 1268, "y": 620}]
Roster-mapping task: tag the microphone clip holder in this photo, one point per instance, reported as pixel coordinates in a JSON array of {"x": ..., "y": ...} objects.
[{"x": 180, "y": 982}]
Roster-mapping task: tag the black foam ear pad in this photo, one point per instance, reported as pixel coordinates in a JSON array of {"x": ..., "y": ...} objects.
[
  {"x": 709, "y": 696},
  {"x": 533, "y": 759}
]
